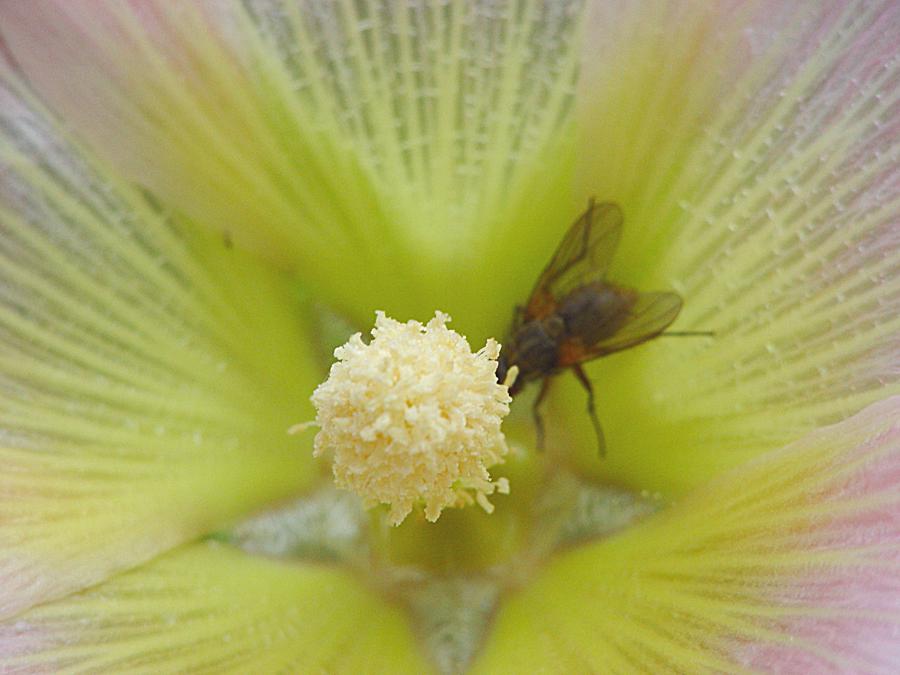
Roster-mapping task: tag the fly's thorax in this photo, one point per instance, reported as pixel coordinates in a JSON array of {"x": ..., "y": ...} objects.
[{"x": 595, "y": 311}]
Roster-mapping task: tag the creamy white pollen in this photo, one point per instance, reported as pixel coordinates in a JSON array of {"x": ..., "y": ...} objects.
[{"x": 414, "y": 418}]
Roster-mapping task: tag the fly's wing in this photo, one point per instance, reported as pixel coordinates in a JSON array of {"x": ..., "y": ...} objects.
[
  {"x": 584, "y": 255},
  {"x": 647, "y": 317}
]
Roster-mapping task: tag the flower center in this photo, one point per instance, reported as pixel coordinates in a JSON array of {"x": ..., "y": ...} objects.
[{"x": 413, "y": 418}]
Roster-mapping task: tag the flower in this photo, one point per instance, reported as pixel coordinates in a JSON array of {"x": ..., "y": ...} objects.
[{"x": 194, "y": 196}]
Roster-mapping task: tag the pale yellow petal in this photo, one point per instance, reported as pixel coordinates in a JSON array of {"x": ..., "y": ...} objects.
[
  {"x": 211, "y": 609},
  {"x": 754, "y": 152},
  {"x": 418, "y": 140},
  {"x": 790, "y": 564},
  {"x": 148, "y": 374}
]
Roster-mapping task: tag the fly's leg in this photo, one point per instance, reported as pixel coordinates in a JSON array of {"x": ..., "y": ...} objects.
[
  {"x": 591, "y": 408},
  {"x": 536, "y": 413}
]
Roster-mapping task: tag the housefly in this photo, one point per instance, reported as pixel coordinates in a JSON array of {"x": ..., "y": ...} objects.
[{"x": 574, "y": 314}]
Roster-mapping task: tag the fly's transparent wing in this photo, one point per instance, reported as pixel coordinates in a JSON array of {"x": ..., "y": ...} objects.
[
  {"x": 584, "y": 255},
  {"x": 648, "y": 316}
]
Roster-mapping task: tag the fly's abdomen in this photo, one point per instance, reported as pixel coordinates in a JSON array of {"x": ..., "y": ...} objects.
[{"x": 595, "y": 311}]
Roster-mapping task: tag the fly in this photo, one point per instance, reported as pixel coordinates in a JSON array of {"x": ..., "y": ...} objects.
[{"x": 574, "y": 315}]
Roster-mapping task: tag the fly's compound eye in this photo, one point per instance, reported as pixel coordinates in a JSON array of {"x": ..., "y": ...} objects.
[{"x": 501, "y": 369}]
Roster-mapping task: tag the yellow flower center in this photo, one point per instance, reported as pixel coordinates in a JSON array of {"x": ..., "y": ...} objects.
[{"x": 413, "y": 418}]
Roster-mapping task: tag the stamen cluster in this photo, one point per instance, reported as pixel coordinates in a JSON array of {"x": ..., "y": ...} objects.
[{"x": 413, "y": 417}]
